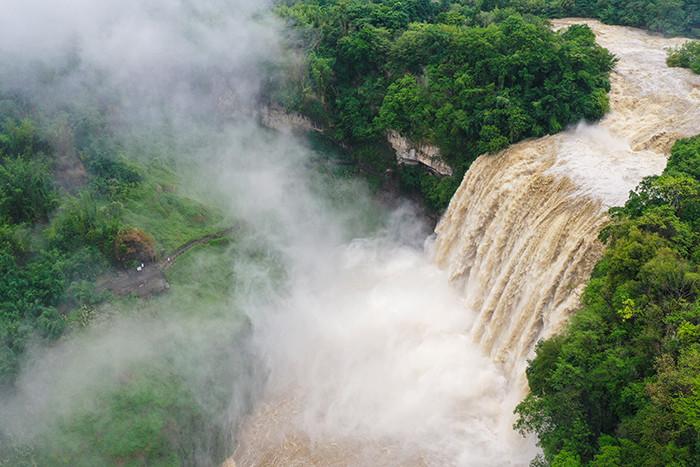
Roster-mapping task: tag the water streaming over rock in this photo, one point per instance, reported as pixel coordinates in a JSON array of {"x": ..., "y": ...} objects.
[
  {"x": 380, "y": 358},
  {"x": 519, "y": 238}
]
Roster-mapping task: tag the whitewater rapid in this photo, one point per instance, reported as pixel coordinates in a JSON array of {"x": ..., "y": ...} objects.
[
  {"x": 386, "y": 354},
  {"x": 519, "y": 239},
  {"x": 376, "y": 367}
]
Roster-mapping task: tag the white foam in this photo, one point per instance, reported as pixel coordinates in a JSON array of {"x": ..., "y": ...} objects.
[
  {"x": 382, "y": 353},
  {"x": 602, "y": 164}
]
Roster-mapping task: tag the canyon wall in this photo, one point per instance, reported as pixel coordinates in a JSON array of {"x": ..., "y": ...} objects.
[
  {"x": 384, "y": 355},
  {"x": 519, "y": 239},
  {"x": 410, "y": 153}
]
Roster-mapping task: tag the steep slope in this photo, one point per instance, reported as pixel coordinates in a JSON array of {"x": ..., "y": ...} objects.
[
  {"x": 519, "y": 238},
  {"x": 371, "y": 359}
]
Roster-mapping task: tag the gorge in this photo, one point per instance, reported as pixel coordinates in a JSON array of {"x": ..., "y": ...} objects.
[
  {"x": 517, "y": 245},
  {"x": 218, "y": 242}
]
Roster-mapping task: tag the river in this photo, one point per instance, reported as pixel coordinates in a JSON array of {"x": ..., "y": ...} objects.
[{"x": 386, "y": 353}]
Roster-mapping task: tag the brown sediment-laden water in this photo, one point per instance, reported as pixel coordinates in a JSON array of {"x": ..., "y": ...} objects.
[{"x": 417, "y": 357}]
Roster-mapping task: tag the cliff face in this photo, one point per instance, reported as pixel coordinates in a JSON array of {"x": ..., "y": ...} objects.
[
  {"x": 410, "y": 153},
  {"x": 520, "y": 237},
  {"x": 380, "y": 365},
  {"x": 407, "y": 152},
  {"x": 281, "y": 120}
]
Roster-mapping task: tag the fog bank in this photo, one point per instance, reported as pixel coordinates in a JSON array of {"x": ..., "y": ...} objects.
[{"x": 338, "y": 333}]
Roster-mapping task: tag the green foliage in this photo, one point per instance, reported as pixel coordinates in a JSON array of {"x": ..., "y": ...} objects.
[
  {"x": 21, "y": 138},
  {"x": 83, "y": 220},
  {"x": 620, "y": 386},
  {"x": 685, "y": 158},
  {"x": 484, "y": 88},
  {"x": 674, "y": 17},
  {"x": 33, "y": 286},
  {"x": 149, "y": 418},
  {"x": 29, "y": 293},
  {"x": 436, "y": 191},
  {"x": 139, "y": 423},
  {"x": 686, "y": 56},
  {"x": 167, "y": 408},
  {"x": 26, "y": 190},
  {"x": 113, "y": 177},
  {"x": 50, "y": 258},
  {"x": 56, "y": 247},
  {"x": 26, "y": 186},
  {"x": 157, "y": 206},
  {"x": 443, "y": 73}
]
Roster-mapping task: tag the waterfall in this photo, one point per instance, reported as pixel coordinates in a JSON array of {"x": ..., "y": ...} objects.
[
  {"x": 386, "y": 355},
  {"x": 519, "y": 239}
]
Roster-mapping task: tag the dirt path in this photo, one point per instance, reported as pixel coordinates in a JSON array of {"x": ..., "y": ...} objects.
[
  {"x": 151, "y": 279},
  {"x": 182, "y": 249}
]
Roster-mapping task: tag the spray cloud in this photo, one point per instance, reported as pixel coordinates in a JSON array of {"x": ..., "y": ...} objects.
[{"x": 356, "y": 346}]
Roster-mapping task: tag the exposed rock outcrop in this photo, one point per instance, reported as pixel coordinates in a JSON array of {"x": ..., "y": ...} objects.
[
  {"x": 520, "y": 236},
  {"x": 409, "y": 153},
  {"x": 281, "y": 120}
]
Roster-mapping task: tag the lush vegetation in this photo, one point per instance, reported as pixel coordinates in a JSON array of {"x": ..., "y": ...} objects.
[
  {"x": 77, "y": 204},
  {"x": 673, "y": 17},
  {"x": 686, "y": 56},
  {"x": 621, "y": 386},
  {"x": 444, "y": 73},
  {"x": 170, "y": 406},
  {"x": 54, "y": 244}
]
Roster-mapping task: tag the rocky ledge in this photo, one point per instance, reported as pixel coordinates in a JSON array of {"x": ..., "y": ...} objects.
[
  {"x": 410, "y": 153},
  {"x": 281, "y": 120}
]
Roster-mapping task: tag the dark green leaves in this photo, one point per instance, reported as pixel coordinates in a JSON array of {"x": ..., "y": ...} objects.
[{"x": 621, "y": 386}]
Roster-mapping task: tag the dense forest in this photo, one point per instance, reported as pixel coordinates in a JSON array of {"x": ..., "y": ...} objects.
[
  {"x": 466, "y": 80},
  {"x": 672, "y": 17},
  {"x": 43, "y": 264},
  {"x": 621, "y": 385},
  {"x": 469, "y": 76},
  {"x": 80, "y": 204}
]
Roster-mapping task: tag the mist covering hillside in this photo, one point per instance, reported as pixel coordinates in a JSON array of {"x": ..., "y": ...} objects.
[{"x": 186, "y": 280}]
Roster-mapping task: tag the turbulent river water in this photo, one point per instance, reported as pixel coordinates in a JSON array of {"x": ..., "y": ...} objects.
[{"x": 392, "y": 354}]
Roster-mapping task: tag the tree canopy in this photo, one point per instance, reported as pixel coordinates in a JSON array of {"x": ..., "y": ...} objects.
[
  {"x": 444, "y": 73},
  {"x": 672, "y": 17},
  {"x": 620, "y": 387}
]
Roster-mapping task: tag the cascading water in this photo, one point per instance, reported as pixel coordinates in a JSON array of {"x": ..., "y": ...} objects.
[
  {"x": 519, "y": 238},
  {"x": 379, "y": 357}
]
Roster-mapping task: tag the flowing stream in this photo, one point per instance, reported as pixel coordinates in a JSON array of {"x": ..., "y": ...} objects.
[{"x": 393, "y": 354}]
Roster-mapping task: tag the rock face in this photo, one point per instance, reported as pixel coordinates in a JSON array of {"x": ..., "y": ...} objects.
[
  {"x": 520, "y": 236},
  {"x": 409, "y": 153},
  {"x": 281, "y": 120}
]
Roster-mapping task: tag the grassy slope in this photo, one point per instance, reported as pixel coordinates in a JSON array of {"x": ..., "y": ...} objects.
[{"x": 158, "y": 206}]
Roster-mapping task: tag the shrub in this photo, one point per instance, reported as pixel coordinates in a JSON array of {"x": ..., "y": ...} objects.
[
  {"x": 27, "y": 193},
  {"x": 686, "y": 56},
  {"x": 84, "y": 221},
  {"x": 133, "y": 245},
  {"x": 21, "y": 138}
]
